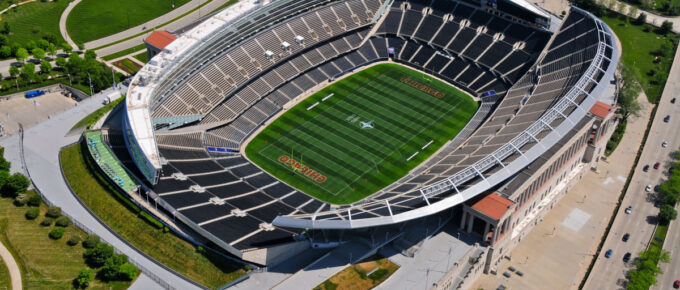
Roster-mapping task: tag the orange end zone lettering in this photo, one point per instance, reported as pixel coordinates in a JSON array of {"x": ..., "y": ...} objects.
[{"x": 302, "y": 169}]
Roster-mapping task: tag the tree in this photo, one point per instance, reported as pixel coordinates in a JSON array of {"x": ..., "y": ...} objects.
[
  {"x": 52, "y": 50},
  {"x": 621, "y": 8},
  {"x": 666, "y": 27},
  {"x": 83, "y": 280},
  {"x": 57, "y": 232},
  {"x": 632, "y": 11},
  {"x": 667, "y": 213},
  {"x": 30, "y": 45},
  {"x": 13, "y": 71},
  {"x": 21, "y": 54},
  {"x": 45, "y": 67},
  {"x": 6, "y": 28},
  {"x": 16, "y": 184},
  {"x": 38, "y": 53},
  {"x": 97, "y": 256},
  {"x": 110, "y": 270},
  {"x": 4, "y": 176},
  {"x": 90, "y": 54},
  {"x": 61, "y": 62},
  {"x": 66, "y": 47},
  {"x": 627, "y": 98},
  {"x": 128, "y": 272},
  {"x": 28, "y": 72},
  {"x": 4, "y": 40},
  {"x": 44, "y": 44},
  {"x": 5, "y": 51}
]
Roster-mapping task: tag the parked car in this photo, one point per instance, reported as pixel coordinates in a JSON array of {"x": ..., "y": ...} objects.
[
  {"x": 629, "y": 209},
  {"x": 646, "y": 168},
  {"x": 626, "y": 257},
  {"x": 667, "y": 118},
  {"x": 626, "y": 237},
  {"x": 648, "y": 188},
  {"x": 676, "y": 284},
  {"x": 656, "y": 165},
  {"x": 673, "y": 101},
  {"x": 664, "y": 144},
  {"x": 609, "y": 253}
]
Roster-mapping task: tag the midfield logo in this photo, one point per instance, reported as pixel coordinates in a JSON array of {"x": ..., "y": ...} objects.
[{"x": 422, "y": 87}]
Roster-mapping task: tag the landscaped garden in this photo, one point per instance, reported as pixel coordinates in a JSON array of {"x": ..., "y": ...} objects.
[
  {"x": 647, "y": 53},
  {"x": 364, "y": 275},
  {"x": 199, "y": 264}
]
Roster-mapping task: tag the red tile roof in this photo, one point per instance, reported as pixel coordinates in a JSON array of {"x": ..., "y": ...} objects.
[
  {"x": 160, "y": 38},
  {"x": 493, "y": 205},
  {"x": 600, "y": 109}
]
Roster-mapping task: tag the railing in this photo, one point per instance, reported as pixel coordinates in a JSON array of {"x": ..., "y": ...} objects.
[
  {"x": 494, "y": 159},
  {"x": 86, "y": 229}
]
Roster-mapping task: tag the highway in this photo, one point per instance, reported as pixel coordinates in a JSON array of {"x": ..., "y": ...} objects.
[{"x": 608, "y": 273}]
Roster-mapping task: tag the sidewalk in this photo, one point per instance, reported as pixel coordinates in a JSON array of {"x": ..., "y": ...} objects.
[
  {"x": 559, "y": 254},
  {"x": 12, "y": 267}
]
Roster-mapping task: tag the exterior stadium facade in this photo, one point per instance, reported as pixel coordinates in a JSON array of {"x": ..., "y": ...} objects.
[{"x": 544, "y": 118}]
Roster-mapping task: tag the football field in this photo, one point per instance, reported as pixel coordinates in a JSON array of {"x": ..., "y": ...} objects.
[{"x": 361, "y": 133}]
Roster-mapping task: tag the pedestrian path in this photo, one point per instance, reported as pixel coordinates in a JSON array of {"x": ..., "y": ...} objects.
[{"x": 14, "y": 272}]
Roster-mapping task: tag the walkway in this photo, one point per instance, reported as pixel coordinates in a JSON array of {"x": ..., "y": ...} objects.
[
  {"x": 14, "y": 272},
  {"x": 655, "y": 19},
  {"x": 42, "y": 144},
  {"x": 62, "y": 23}
]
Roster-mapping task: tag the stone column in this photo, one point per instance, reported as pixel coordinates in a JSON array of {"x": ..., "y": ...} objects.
[
  {"x": 462, "y": 220},
  {"x": 472, "y": 219},
  {"x": 496, "y": 233},
  {"x": 486, "y": 231}
]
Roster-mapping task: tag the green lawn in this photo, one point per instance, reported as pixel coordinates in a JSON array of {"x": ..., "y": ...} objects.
[
  {"x": 209, "y": 268},
  {"x": 141, "y": 57},
  {"x": 94, "y": 19},
  {"x": 44, "y": 263},
  {"x": 141, "y": 47},
  {"x": 638, "y": 54},
  {"x": 354, "y": 161},
  {"x": 33, "y": 20},
  {"x": 93, "y": 117}
]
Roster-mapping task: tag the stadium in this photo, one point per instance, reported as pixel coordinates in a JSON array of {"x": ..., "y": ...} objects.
[{"x": 273, "y": 127}]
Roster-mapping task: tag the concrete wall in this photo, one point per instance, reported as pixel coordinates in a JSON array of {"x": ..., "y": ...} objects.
[{"x": 276, "y": 254}]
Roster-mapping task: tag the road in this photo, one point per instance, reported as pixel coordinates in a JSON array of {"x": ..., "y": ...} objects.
[
  {"x": 12, "y": 267},
  {"x": 671, "y": 271},
  {"x": 42, "y": 144},
  {"x": 608, "y": 273}
]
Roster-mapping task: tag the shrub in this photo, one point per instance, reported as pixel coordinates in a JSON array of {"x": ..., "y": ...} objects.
[
  {"x": 128, "y": 272},
  {"x": 20, "y": 200},
  {"x": 73, "y": 240},
  {"x": 63, "y": 222},
  {"x": 47, "y": 222},
  {"x": 83, "y": 280},
  {"x": 32, "y": 213},
  {"x": 57, "y": 233},
  {"x": 15, "y": 184},
  {"x": 97, "y": 256},
  {"x": 91, "y": 241},
  {"x": 53, "y": 212},
  {"x": 34, "y": 199}
]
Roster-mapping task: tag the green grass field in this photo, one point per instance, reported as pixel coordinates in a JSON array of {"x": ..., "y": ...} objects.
[
  {"x": 639, "y": 49},
  {"x": 355, "y": 161},
  {"x": 94, "y": 19},
  {"x": 33, "y": 20},
  {"x": 45, "y": 263}
]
